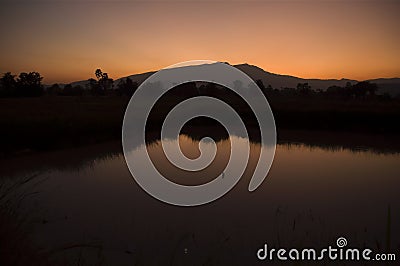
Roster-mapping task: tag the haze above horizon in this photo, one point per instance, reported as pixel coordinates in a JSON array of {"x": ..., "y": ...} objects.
[{"x": 67, "y": 41}]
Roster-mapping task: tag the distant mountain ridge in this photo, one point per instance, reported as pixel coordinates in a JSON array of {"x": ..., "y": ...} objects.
[{"x": 278, "y": 81}]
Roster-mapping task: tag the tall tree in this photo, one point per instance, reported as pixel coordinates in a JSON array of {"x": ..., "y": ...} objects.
[{"x": 104, "y": 81}]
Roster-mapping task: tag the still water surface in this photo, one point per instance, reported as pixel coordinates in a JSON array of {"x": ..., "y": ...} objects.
[{"x": 312, "y": 196}]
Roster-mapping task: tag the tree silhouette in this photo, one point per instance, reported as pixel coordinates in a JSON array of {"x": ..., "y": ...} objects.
[
  {"x": 29, "y": 84},
  {"x": 304, "y": 88},
  {"x": 54, "y": 89},
  {"x": 7, "y": 85},
  {"x": 260, "y": 84},
  {"x": 264, "y": 89},
  {"x": 104, "y": 81},
  {"x": 93, "y": 86},
  {"x": 238, "y": 85},
  {"x": 98, "y": 73},
  {"x": 336, "y": 91},
  {"x": 364, "y": 88},
  {"x": 70, "y": 90},
  {"x": 127, "y": 87}
]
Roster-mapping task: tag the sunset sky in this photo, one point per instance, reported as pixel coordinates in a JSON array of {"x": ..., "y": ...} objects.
[{"x": 67, "y": 40}]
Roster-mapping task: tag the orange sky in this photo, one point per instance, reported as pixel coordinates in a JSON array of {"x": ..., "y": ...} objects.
[{"x": 66, "y": 41}]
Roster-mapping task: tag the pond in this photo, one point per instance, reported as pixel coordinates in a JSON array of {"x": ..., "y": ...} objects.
[{"x": 89, "y": 208}]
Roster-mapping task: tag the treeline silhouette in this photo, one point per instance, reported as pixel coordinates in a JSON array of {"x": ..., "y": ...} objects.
[
  {"x": 360, "y": 90},
  {"x": 96, "y": 113},
  {"x": 30, "y": 85},
  {"x": 25, "y": 85}
]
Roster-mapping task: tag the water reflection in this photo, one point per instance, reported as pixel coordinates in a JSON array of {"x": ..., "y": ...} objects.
[{"x": 311, "y": 196}]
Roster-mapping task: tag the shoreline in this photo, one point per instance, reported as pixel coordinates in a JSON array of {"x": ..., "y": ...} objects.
[
  {"x": 77, "y": 157},
  {"x": 62, "y": 122}
]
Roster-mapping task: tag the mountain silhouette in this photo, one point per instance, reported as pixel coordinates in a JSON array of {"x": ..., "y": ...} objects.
[{"x": 278, "y": 81}]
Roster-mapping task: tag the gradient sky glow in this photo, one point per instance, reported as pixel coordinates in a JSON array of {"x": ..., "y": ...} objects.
[{"x": 66, "y": 41}]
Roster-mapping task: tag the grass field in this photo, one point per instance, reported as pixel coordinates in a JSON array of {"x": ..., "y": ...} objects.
[{"x": 56, "y": 122}]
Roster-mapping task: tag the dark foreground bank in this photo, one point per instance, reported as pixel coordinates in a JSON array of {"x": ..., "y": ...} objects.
[{"x": 48, "y": 123}]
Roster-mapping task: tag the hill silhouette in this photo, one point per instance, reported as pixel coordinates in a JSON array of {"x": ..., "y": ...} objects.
[{"x": 278, "y": 81}]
